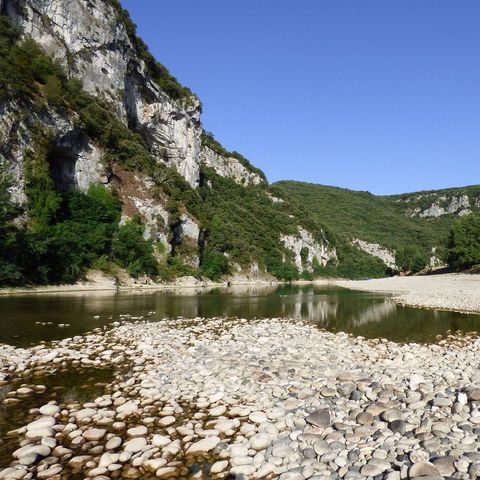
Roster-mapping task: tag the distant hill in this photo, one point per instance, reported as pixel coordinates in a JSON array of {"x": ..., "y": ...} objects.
[{"x": 382, "y": 225}]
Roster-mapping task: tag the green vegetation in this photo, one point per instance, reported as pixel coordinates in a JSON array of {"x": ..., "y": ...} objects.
[
  {"x": 131, "y": 251},
  {"x": 464, "y": 245},
  {"x": 214, "y": 265},
  {"x": 243, "y": 223},
  {"x": 60, "y": 252},
  {"x": 10, "y": 273},
  {"x": 240, "y": 224},
  {"x": 355, "y": 264},
  {"x": 410, "y": 258},
  {"x": 25, "y": 69},
  {"x": 43, "y": 201}
]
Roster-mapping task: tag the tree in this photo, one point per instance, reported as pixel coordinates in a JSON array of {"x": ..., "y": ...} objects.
[
  {"x": 214, "y": 265},
  {"x": 131, "y": 251},
  {"x": 10, "y": 274},
  {"x": 464, "y": 244},
  {"x": 410, "y": 259}
]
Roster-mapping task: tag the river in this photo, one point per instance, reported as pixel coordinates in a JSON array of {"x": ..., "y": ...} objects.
[{"x": 29, "y": 319}]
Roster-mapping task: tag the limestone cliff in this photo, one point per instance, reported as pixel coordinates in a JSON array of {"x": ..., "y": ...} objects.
[
  {"x": 91, "y": 42},
  {"x": 458, "y": 202}
]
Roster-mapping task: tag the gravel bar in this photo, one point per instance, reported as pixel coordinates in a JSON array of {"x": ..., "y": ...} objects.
[{"x": 264, "y": 399}]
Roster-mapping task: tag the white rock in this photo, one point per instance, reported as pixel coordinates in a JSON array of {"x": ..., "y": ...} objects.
[
  {"x": 49, "y": 410},
  {"x": 139, "y": 431},
  {"x": 128, "y": 408},
  {"x": 135, "y": 445},
  {"x": 166, "y": 421},
  {"x": 160, "y": 440},
  {"x": 219, "y": 466},
  {"x": 258, "y": 417},
  {"x": 260, "y": 442},
  {"x": 203, "y": 446},
  {"x": 94, "y": 434}
]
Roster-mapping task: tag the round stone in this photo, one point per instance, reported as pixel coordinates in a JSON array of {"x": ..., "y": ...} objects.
[
  {"x": 398, "y": 426},
  {"x": 474, "y": 394},
  {"x": 135, "y": 445},
  {"x": 85, "y": 413},
  {"x": 423, "y": 469},
  {"x": 94, "y": 434},
  {"x": 49, "y": 410},
  {"x": 203, "y": 446},
  {"x": 44, "y": 422},
  {"x": 113, "y": 443},
  {"x": 219, "y": 466},
  {"x": 260, "y": 442},
  {"x": 166, "y": 421},
  {"x": 417, "y": 456},
  {"x": 128, "y": 408},
  {"x": 320, "y": 418},
  {"x": 160, "y": 441},
  {"x": 364, "y": 418},
  {"x": 392, "y": 414},
  {"x": 217, "y": 411},
  {"x": 258, "y": 417},
  {"x": 139, "y": 431}
]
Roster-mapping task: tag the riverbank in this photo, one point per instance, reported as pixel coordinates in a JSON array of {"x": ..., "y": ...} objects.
[
  {"x": 98, "y": 281},
  {"x": 254, "y": 399},
  {"x": 454, "y": 292}
]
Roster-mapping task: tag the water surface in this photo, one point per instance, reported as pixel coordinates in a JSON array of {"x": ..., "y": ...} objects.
[{"x": 29, "y": 319}]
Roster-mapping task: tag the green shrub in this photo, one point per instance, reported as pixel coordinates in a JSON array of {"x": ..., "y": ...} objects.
[
  {"x": 214, "y": 265},
  {"x": 464, "y": 245},
  {"x": 131, "y": 251},
  {"x": 10, "y": 272},
  {"x": 43, "y": 201},
  {"x": 410, "y": 259}
]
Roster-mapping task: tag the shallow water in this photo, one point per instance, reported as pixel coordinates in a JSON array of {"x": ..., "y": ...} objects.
[
  {"x": 63, "y": 386},
  {"x": 29, "y": 319}
]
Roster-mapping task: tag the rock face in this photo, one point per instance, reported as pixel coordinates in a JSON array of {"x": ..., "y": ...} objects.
[
  {"x": 384, "y": 254},
  {"x": 306, "y": 249},
  {"x": 456, "y": 204},
  {"x": 229, "y": 167},
  {"x": 452, "y": 204},
  {"x": 75, "y": 161}
]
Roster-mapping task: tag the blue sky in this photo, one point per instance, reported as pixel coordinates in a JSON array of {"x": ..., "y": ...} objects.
[{"x": 365, "y": 94}]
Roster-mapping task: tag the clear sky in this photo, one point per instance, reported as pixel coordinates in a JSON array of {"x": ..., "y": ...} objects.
[{"x": 378, "y": 95}]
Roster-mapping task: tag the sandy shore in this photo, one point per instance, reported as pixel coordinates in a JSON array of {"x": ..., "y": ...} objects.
[
  {"x": 457, "y": 292},
  {"x": 98, "y": 282}
]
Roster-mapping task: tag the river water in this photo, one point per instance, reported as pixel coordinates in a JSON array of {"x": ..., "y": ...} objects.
[{"x": 28, "y": 319}]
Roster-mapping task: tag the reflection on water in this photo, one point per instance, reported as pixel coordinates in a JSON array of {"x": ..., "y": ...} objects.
[{"x": 27, "y": 319}]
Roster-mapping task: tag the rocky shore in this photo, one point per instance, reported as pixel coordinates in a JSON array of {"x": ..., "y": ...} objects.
[
  {"x": 220, "y": 398},
  {"x": 455, "y": 292}
]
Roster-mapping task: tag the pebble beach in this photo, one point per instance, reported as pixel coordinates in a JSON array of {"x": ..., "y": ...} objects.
[
  {"x": 270, "y": 398},
  {"x": 454, "y": 292}
]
